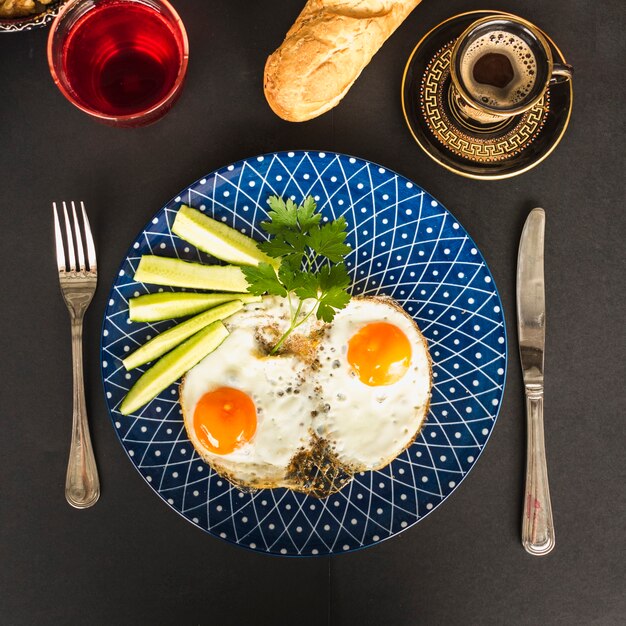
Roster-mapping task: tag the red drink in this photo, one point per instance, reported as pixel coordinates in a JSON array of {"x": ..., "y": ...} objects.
[{"x": 120, "y": 59}]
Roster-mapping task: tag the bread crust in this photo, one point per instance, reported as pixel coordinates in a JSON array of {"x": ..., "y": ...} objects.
[{"x": 325, "y": 51}]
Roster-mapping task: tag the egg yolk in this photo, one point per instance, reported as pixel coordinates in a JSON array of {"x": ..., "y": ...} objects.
[
  {"x": 224, "y": 419},
  {"x": 379, "y": 353}
]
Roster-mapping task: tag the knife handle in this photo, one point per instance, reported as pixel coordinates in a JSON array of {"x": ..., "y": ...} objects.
[{"x": 537, "y": 523}]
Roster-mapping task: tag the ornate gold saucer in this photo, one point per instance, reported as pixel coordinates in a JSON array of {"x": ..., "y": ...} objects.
[{"x": 475, "y": 150}]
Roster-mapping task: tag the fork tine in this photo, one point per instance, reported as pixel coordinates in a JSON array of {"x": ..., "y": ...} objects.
[
  {"x": 79, "y": 240},
  {"x": 70, "y": 243},
  {"x": 91, "y": 248},
  {"x": 58, "y": 240}
]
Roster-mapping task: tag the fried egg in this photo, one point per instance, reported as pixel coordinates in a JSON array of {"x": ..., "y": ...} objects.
[
  {"x": 245, "y": 412},
  {"x": 374, "y": 382},
  {"x": 338, "y": 398}
]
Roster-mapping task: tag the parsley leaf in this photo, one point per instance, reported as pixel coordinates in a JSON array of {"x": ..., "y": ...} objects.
[
  {"x": 288, "y": 243},
  {"x": 276, "y": 247},
  {"x": 289, "y": 273},
  {"x": 307, "y": 217},
  {"x": 334, "y": 275},
  {"x": 331, "y": 301},
  {"x": 328, "y": 240},
  {"x": 308, "y": 287},
  {"x": 311, "y": 261},
  {"x": 262, "y": 279},
  {"x": 283, "y": 215}
]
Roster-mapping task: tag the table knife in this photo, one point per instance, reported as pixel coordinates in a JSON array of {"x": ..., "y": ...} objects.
[{"x": 537, "y": 523}]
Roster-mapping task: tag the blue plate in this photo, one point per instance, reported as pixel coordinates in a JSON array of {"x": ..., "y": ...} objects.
[{"x": 405, "y": 245}]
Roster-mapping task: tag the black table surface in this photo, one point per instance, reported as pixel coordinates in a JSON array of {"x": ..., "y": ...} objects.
[{"x": 130, "y": 560}]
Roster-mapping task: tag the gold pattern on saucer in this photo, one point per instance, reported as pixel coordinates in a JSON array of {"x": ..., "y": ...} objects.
[{"x": 481, "y": 145}]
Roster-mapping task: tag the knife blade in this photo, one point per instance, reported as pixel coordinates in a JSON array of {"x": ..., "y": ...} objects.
[
  {"x": 531, "y": 300},
  {"x": 537, "y": 522}
]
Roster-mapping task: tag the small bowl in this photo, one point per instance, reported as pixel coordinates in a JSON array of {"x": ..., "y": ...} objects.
[{"x": 29, "y": 22}]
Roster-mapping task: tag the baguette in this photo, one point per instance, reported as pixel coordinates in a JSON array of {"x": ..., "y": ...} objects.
[{"x": 324, "y": 52}]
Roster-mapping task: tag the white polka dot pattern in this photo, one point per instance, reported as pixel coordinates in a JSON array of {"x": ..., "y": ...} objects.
[{"x": 404, "y": 245}]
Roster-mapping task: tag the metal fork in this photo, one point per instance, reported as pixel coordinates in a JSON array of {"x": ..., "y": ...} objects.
[{"x": 78, "y": 281}]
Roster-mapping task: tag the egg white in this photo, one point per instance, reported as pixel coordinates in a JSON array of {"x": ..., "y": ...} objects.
[
  {"x": 368, "y": 426},
  {"x": 277, "y": 385}
]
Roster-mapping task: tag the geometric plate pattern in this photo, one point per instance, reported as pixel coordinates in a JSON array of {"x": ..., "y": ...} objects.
[{"x": 405, "y": 245}]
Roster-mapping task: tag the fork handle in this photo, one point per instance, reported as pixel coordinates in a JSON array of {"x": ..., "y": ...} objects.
[
  {"x": 82, "y": 485},
  {"x": 537, "y": 523}
]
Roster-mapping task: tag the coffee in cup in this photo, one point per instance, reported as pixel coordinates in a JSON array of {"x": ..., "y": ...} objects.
[{"x": 501, "y": 66}]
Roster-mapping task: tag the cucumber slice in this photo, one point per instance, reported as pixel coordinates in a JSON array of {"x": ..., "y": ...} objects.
[
  {"x": 170, "y": 338},
  {"x": 218, "y": 239},
  {"x": 172, "y": 366},
  {"x": 153, "y": 307},
  {"x": 160, "y": 270}
]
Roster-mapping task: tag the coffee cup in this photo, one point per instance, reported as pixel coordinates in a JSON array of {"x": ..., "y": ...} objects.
[{"x": 501, "y": 66}]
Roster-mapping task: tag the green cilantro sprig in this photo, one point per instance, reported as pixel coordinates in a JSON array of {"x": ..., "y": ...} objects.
[{"x": 311, "y": 262}]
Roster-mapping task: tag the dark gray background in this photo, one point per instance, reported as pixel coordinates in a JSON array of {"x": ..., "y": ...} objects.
[{"x": 130, "y": 560}]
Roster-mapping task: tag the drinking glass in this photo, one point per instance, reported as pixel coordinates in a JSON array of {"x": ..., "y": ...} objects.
[{"x": 121, "y": 61}]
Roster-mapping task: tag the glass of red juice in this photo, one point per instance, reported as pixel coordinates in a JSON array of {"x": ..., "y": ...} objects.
[{"x": 121, "y": 61}]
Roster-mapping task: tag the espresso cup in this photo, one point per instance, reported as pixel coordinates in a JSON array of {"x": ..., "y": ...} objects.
[{"x": 501, "y": 66}]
